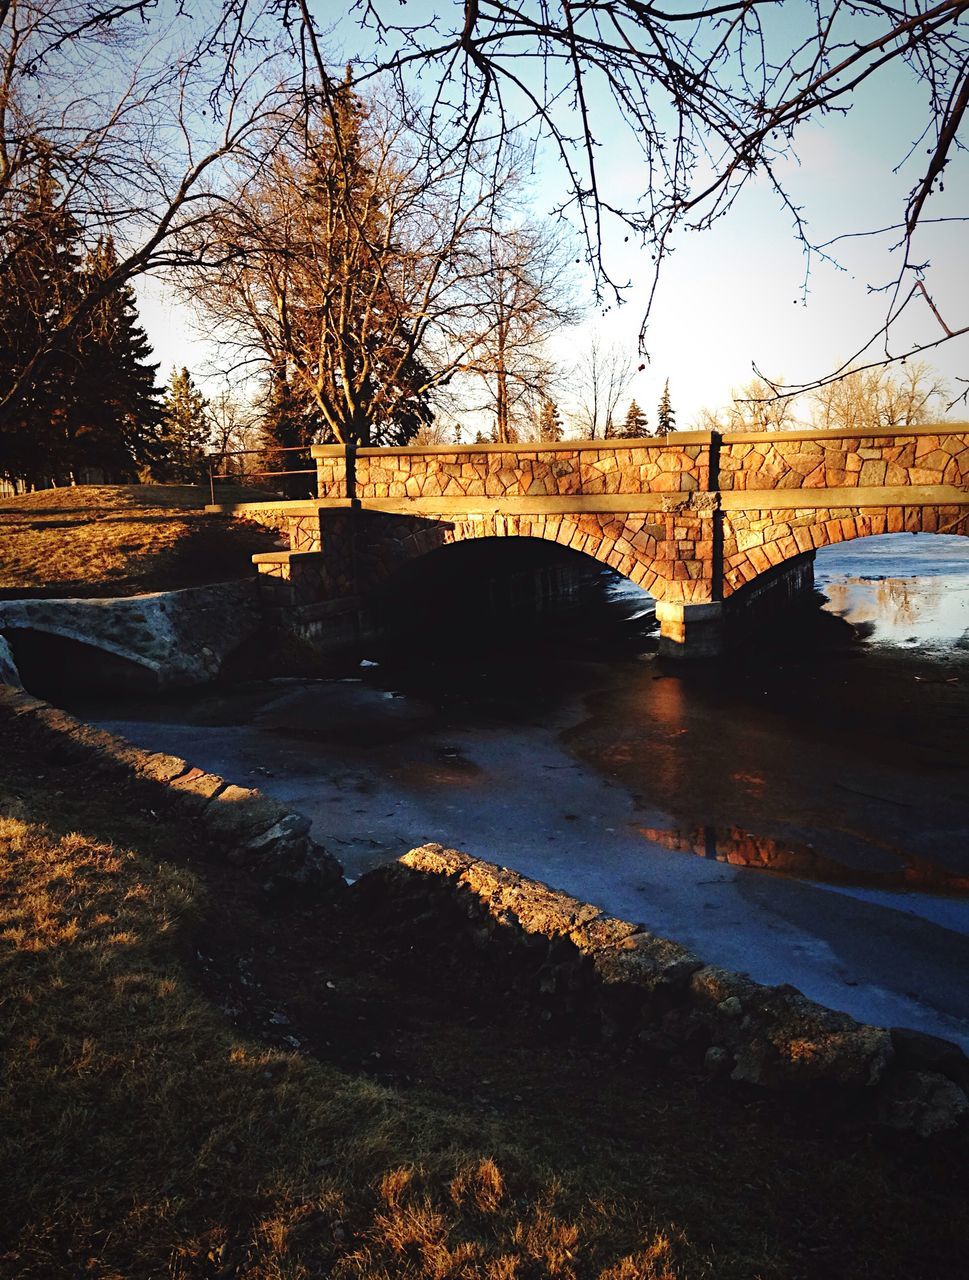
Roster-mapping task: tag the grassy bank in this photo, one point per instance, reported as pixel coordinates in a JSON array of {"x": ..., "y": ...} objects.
[
  {"x": 202, "y": 1082},
  {"x": 93, "y": 540}
]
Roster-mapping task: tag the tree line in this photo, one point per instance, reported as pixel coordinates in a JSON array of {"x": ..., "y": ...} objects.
[
  {"x": 95, "y": 412},
  {"x": 368, "y": 256}
]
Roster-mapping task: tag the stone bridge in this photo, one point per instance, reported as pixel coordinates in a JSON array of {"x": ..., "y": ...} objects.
[{"x": 706, "y": 522}]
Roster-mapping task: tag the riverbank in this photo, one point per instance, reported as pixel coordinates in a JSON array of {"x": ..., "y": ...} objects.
[
  {"x": 201, "y": 1080},
  {"x": 797, "y": 781}
]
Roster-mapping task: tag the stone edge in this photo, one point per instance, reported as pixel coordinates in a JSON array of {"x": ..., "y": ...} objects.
[
  {"x": 251, "y": 830},
  {"x": 655, "y": 993}
]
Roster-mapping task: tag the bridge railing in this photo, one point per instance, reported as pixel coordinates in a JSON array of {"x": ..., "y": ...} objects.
[{"x": 231, "y": 466}]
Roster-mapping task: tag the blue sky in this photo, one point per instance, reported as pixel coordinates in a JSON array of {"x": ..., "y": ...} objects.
[{"x": 731, "y": 297}]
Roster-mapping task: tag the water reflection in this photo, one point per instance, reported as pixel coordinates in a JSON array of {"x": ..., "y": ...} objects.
[
  {"x": 906, "y": 590},
  {"x": 739, "y": 848}
]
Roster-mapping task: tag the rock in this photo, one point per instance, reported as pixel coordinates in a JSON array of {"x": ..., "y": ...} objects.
[
  {"x": 605, "y": 931},
  {"x": 198, "y": 787},
  {"x": 711, "y": 987},
  {"x": 538, "y": 908},
  {"x": 917, "y": 1051},
  {"x": 717, "y": 1061},
  {"x": 791, "y": 1042},
  {"x": 242, "y": 813},
  {"x": 160, "y": 767},
  {"x": 436, "y": 860},
  {"x": 300, "y": 864},
  {"x": 923, "y": 1102},
  {"x": 292, "y": 826},
  {"x": 647, "y": 962}
]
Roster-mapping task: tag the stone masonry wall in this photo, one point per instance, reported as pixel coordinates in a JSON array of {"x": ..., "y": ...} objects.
[
  {"x": 591, "y": 974},
  {"x": 696, "y": 535},
  {"x": 239, "y": 824},
  {"x": 180, "y": 638},
  {"x": 840, "y": 460},
  {"x": 668, "y": 553},
  {"x": 677, "y": 465},
  {"x": 754, "y": 541}
]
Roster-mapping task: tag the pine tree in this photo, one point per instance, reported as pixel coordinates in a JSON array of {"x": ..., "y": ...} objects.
[
  {"x": 549, "y": 421},
  {"x": 39, "y": 283},
  {"x": 114, "y": 423},
  {"x": 286, "y": 422},
  {"x": 665, "y": 414},
  {"x": 635, "y": 424},
  {"x": 185, "y": 430}
]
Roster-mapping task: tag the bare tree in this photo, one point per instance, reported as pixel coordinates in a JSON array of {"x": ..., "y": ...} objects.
[
  {"x": 711, "y": 96},
  {"x": 132, "y": 119},
  {"x": 601, "y": 379},
  {"x": 233, "y": 424},
  {"x": 876, "y": 398},
  {"x": 375, "y": 274},
  {"x": 752, "y": 408},
  {"x": 525, "y": 295}
]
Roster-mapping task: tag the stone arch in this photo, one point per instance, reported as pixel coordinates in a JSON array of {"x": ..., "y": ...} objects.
[
  {"x": 628, "y": 543},
  {"x": 757, "y": 541},
  {"x": 79, "y": 636},
  {"x": 51, "y": 658}
]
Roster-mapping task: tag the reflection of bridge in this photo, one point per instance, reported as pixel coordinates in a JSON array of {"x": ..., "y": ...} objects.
[{"x": 705, "y": 522}]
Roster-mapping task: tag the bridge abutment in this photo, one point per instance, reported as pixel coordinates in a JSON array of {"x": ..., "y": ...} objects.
[{"x": 690, "y": 630}]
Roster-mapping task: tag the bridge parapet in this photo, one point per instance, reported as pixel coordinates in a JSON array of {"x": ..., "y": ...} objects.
[
  {"x": 678, "y": 463},
  {"x": 848, "y": 459}
]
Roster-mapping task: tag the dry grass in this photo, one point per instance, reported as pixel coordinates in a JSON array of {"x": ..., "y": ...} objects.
[
  {"x": 121, "y": 540},
  {"x": 147, "y": 1132},
  {"x": 143, "y": 1138}
]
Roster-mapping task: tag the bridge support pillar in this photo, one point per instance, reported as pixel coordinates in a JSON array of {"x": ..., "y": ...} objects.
[{"x": 690, "y": 630}]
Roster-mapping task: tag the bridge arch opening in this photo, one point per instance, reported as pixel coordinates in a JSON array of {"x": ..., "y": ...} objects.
[
  {"x": 500, "y": 593},
  {"x": 53, "y": 666}
]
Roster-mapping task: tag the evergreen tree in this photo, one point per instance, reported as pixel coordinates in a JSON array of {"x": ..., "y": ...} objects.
[
  {"x": 39, "y": 282},
  {"x": 114, "y": 423},
  {"x": 635, "y": 424},
  {"x": 665, "y": 414},
  {"x": 286, "y": 422},
  {"x": 549, "y": 422},
  {"x": 185, "y": 430}
]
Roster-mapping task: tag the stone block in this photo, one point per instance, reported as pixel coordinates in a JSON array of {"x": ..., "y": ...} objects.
[
  {"x": 925, "y": 445},
  {"x": 240, "y": 813},
  {"x": 917, "y": 1051},
  {"x": 159, "y": 767},
  {"x": 758, "y": 558},
  {"x": 197, "y": 787},
  {"x": 791, "y": 1042},
  {"x": 935, "y": 460},
  {"x": 604, "y": 931},
  {"x": 925, "y": 1103},
  {"x": 289, "y": 829},
  {"x": 435, "y": 859},
  {"x": 648, "y": 963}
]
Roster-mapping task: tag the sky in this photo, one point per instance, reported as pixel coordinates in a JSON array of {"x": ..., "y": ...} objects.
[{"x": 731, "y": 298}]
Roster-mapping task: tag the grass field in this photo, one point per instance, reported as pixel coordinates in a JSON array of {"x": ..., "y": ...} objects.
[
  {"x": 93, "y": 540},
  {"x": 198, "y": 1082}
]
